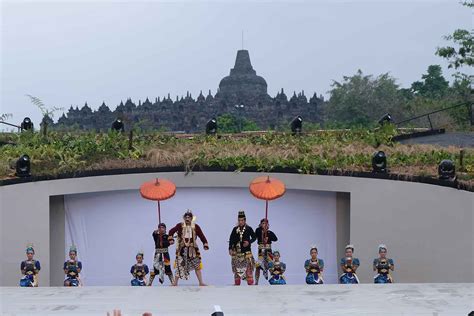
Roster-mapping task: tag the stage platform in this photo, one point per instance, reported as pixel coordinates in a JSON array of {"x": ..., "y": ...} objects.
[{"x": 331, "y": 299}]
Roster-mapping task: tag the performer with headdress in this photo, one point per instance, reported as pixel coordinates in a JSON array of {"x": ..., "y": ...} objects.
[
  {"x": 276, "y": 268},
  {"x": 265, "y": 237},
  {"x": 30, "y": 269},
  {"x": 349, "y": 266},
  {"x": 139, "y": 271},
  {"x": 314, "y": 267},
  {"x": 240, "y": 242},
  {"x": 161, "y": 261},
  {"x": 188, "y": 256},
  {"x": 72, "y": 268},
  {"x": 383, "y": 265}
]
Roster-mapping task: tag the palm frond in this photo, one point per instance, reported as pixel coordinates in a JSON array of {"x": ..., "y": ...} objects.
[{"x": 42, "y": 107}]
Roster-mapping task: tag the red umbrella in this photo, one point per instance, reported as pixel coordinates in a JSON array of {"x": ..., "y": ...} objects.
[
  {"x": 266, "y": 188},
  {"x": 158, "y": 190}
]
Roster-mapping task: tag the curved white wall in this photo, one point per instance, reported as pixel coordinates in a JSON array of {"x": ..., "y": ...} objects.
[{"x": 429, "y": 229}]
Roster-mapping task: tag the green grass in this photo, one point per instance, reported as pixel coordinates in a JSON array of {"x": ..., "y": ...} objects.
[{"x": 345, "y": 150}]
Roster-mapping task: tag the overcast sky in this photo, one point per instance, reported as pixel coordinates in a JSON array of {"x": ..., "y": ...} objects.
[{"x": 72, "y": 52}]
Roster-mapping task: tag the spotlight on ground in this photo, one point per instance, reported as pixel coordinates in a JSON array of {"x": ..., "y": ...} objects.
[
  {"x": 118, "y": 125},
  {"x": 211, "y": 126},
  {"x": 297, "y": 125},
  {"x": 379, "y": 162},
  {"x": 446, "y": 170},
  {"x": 23, "y": 168},
  {"x": 217, "y": 311},
  {"x": 27, "y": 124},
  {"x": 386, "y": 119}
]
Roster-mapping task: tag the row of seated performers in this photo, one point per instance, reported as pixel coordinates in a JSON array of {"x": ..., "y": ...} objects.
[
  {"x": 30, "y": 269},
  {"x": 243, "y": 265}
]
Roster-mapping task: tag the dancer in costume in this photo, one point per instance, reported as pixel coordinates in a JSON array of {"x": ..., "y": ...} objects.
[
  {"x": 240, "y": 242},
  {"x": 188, "y": 256},
  {"x": 161, "y": 261},
  {"x": 72, "y": 268},
  {"x": 139, "y": 271},
  {"x": 349, "y": 266},
  {"x": 30, "y": 269},
  {"x": 383, "y": 265},
  {"x": 265, "y": 237},
  {"x": 314, "y": 267},
  {"x": 277, "y": 268}
]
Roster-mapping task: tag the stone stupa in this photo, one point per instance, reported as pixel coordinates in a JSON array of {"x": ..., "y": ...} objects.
[{"x": 243, "y": 82}]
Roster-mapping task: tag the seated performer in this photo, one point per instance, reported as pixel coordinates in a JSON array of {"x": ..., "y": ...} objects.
[
  {"x": 383, "y": 265},
  {"x": 240, "y": 242},
  {"x": 276, "y": 269},
  {"x": 349, "y": 266},
  {"x": 139, "y": 271},
  {"x": 188, "y": 256},
  {"x": 72, "y": 268},
  {"x": 161, "y": 261},
  {"x": 30, "y": 269},
  {"x": 314, "y": 267},
  {"x": 264, "y": 240}
]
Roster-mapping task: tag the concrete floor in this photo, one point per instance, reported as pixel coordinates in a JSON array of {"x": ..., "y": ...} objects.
[{"x": 364, "y": 299}]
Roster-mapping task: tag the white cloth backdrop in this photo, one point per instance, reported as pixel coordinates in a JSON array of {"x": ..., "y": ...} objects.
[{"x": 109, "y": 228}]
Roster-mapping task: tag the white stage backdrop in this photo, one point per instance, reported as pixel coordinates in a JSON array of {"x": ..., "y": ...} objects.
[{"x": 109, "y": 228}]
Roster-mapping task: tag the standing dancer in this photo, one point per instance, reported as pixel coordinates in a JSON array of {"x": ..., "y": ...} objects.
[
  {"x": 161, "y": 261},
  {"x": 30, "y": 269},
  {"x": 188, "y": 256},
  {"x": 240, "y": 242},
  {"x": 265, "y": 237}
]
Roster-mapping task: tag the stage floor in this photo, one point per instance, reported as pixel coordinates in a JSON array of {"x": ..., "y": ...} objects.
[{"x": 364, "y": 299}]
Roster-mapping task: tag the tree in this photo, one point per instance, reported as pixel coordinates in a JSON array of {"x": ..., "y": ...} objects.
[
  {"x": 461, "y": 53},
  {"x": 434, "y": 85},
  {"x": 434, "y": 93},
  {"x": 361, "y": 100},
  {"x": 48, "y": 113},
  {"x": 228, "y": 123},
  {"x": 5, "y": 116}
]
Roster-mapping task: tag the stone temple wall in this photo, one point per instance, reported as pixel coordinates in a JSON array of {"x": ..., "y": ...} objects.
[{"x": 242, "y": 87}]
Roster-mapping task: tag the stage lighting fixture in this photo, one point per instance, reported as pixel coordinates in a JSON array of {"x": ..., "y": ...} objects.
[
  {"x": 387, "y": 118},
  {"x": 217, "y": 311},
  {"x": 446, "y": 170},
  {"x": 118, "y": 125},
  {"x": 23, "y": 167},
  {"x": 27, "y": 124},
  {"x": 297, "y": 125},
  {"x": 379, "y": 162},
  {"x": 211, "y": 126}
]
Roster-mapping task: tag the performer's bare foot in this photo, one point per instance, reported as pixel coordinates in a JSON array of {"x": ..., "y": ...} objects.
[{"x": 199, "y": 277}]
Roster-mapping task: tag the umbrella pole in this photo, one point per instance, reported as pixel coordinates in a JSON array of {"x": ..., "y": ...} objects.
[
  {"x": 266, "y": 218},
  {"x": 159, "y": 213},
  {"x": 266, "y": 209}
]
